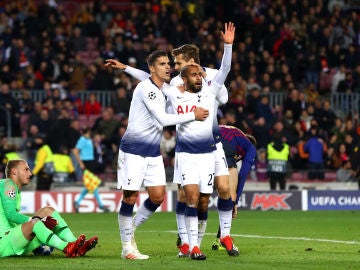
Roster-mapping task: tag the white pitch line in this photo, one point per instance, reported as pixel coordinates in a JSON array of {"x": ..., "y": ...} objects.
[
  {"x": 289, "y": 238},
  {"x": 298, "y": 238}
]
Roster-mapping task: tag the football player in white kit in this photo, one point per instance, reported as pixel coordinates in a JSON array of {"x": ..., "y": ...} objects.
[
  {"x": 139, "y": 159},
  {"x": 195, "y": 144},
  {"x": 184, "y": 55}
]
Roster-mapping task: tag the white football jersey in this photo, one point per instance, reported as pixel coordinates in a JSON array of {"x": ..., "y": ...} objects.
[
  {"x": 146, "y": 119},
  {"x": 197, "y": 136},
  {"x": 221, "y": 98}
]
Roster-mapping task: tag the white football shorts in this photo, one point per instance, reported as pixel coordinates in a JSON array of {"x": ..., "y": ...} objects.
[
  {"x": 134, "y": 170},
  {"x": 221, "y": 166},
  {"x": 197, "y": 169},
  {"x": 176, "y": 176}
]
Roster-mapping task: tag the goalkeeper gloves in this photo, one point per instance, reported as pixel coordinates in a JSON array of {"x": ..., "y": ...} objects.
[{"x": 48, "y": 221}]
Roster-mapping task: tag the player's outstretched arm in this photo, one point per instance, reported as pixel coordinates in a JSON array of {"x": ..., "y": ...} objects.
[
  {"x": 166, "y": 119},
  {"x": 134, "y": 72},
  {"x": 112, "y": 63},
  {"x": 228, "y": 37}
]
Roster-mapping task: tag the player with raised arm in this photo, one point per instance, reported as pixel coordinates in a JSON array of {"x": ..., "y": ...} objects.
[
  {"x": 21, "y": 234},
  {"x": 185, "y": 55},
  {"x": 238, "y": 147},
  {"x": 195, "y": 145},
  {"x": 140, "y": 161}
]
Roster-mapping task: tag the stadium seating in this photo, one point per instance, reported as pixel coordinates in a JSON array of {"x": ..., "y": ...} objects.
[
  {"x": 326, "y": 81},
  {"x": 87, "y": 120},
  {"x": 24, "y": 125}
]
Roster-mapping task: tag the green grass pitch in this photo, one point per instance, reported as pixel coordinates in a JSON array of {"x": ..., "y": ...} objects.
[{"x": 266, "y": 240}]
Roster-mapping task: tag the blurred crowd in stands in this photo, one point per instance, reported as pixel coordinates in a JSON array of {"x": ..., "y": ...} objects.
[{"x": 306, "y": 50}]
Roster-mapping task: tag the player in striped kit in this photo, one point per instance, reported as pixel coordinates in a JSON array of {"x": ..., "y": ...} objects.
[
  {"x": 139, "y": 159},
  {"x": 195, "y": 146},
  {"x": 239, "y": 148}
]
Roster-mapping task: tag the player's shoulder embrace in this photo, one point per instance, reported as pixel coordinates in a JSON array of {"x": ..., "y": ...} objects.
[
  {"x": 171, "y": 90},
  {"x": 177, "y": 80}
]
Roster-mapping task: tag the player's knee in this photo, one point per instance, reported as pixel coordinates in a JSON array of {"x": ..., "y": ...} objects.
[
  {"x": 181, "y": 196},
  {"x": 49, "y": 210},
  {"x": 203, "y": 207},
  {"x": 193, "y": 200},
  {"x": 157, "y": 198},
  {"x": 129, "y": 200},
  {"x": 157, "y": 194},
  {"x": 223, "y": 190},
  {"x": 27, "y": 229},
  {"x": 45, "y": 211},
  {"x": 203, "y": 202},
  {"x": 130, "y": 197}
]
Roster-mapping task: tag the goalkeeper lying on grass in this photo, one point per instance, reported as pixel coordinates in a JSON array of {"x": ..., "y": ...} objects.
[{"x": 21, "y": 234}]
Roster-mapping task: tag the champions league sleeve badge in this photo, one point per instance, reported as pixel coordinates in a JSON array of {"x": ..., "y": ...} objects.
[
  {"x": 11, "y": 193},
  {"x": 152, "y": 95}
]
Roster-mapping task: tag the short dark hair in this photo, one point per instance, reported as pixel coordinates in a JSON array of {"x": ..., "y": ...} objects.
[
  {"x": 12, "y": 164},
  {"x": 185, "y": 70},
  {"x": 188, "y": 51},
  {"x": 152, "y": 57}
]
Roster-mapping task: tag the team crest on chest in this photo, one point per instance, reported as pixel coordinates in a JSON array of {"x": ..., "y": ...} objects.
[{"x": 152, "y": 95}]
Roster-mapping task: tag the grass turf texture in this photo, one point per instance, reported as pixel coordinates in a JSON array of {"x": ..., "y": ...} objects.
[{"x": 266, "y": 240}]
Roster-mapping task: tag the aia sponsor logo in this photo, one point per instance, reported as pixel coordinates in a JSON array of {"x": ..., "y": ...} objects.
[
  {"x": 185, "y": 109},
  {"x": 268, "y": 201}
]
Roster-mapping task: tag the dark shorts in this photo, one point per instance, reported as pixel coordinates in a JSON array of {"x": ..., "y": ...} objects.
[
  {"x": 231, "y": 161},
  {"x": 230, "y": 154}
]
